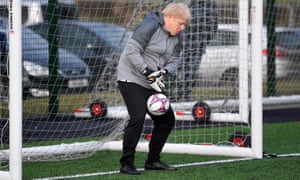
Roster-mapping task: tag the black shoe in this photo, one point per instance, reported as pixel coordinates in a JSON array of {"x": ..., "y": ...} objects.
[
  {"x": 127, "y": 169},
  {"x": 158, "y": 166}
]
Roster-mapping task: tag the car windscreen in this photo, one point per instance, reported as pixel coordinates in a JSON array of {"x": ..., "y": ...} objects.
[
  {"x": 116, "y": 36},
  {"x": 224, "y": 38},
  {"x": 65, "y": 11},
  {"x": 75, "y": 36},
  {"x": 288, "y": 39}
]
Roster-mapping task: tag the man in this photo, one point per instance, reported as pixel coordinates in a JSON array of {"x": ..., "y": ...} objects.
[{"x": 151, "y": 53}]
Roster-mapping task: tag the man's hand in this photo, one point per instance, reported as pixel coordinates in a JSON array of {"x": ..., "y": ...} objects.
[{"x": 156, "y": 80}]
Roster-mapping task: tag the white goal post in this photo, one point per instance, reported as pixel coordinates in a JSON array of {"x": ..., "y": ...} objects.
[
  {"x": 16, "y": 153},
  {"x": 15, "y": 90}
]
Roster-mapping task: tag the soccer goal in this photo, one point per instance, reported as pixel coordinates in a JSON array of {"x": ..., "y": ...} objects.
[{"x": 63, "y": 102}]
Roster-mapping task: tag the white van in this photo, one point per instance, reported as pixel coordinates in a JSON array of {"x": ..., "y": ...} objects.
[{"x": 35, "y": 11}]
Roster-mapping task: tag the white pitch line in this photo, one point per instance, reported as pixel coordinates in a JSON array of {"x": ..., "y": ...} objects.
[
  {"x": 288, "y": 155},
  {"x": 79, "y": 175},
  {"x": 178, "y": 166}
]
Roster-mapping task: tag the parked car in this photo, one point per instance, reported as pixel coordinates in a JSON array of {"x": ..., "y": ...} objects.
[
  {"x": 94, "y": 42},
  {"x": 72, "y": 71},
  {"x": 35, "y": 11},
  {"x": 287, "y": 51},
  {"x": 220, "y": 60}
]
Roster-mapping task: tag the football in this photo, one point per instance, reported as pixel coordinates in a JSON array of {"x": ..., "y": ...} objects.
[{"x": 158, "y": 104}]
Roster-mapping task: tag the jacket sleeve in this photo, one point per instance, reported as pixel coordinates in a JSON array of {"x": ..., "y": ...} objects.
[
  {"x": 144, "y": 32},
  {"x": 171, "y": 65},
  {"x": 136, "y": 45}
]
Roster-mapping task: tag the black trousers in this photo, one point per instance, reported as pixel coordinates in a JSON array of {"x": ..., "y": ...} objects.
[{"x": 135, "y": 97}]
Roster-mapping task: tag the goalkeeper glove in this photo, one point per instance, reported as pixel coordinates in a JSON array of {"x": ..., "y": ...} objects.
[{"x": 156, "y": 80}]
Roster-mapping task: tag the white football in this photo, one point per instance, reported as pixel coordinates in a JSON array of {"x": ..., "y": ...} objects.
[{"x": 158, "y": 104}]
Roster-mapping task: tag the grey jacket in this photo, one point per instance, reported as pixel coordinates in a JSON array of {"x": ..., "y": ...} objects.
[{"x": 152, "y": 47}]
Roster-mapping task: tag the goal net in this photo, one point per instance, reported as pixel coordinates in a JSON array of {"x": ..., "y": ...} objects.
[{"x": 71, "y": 105}]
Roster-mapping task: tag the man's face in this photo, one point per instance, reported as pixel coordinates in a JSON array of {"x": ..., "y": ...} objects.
[{"x": 174, "y": 25}]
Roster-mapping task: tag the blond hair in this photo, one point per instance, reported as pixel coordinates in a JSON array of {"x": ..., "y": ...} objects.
[{"x": 178, "y": 10}]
